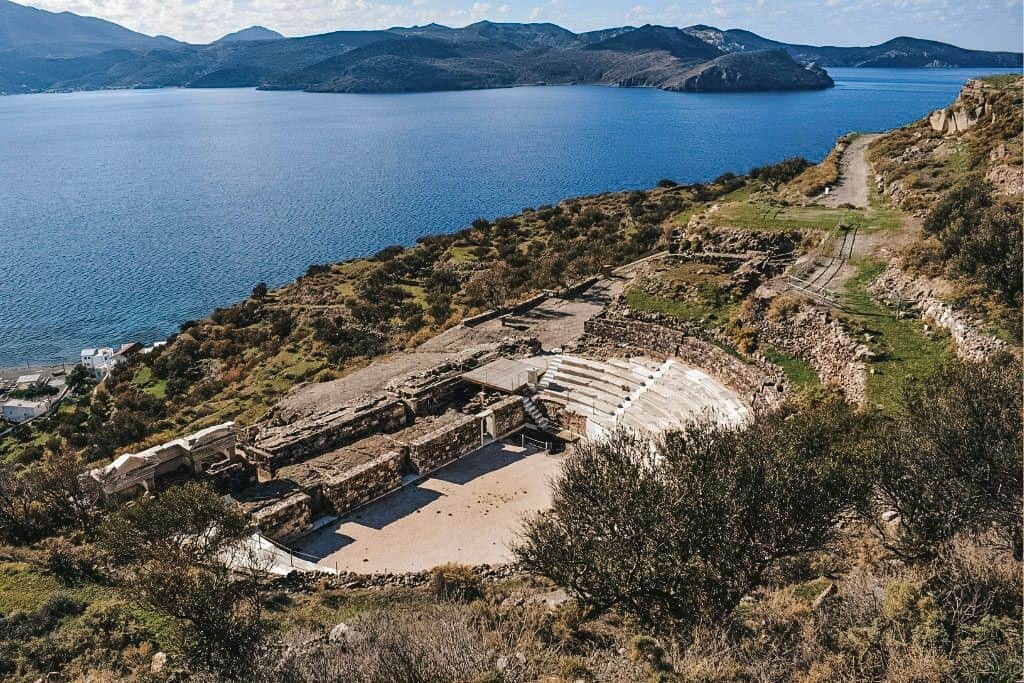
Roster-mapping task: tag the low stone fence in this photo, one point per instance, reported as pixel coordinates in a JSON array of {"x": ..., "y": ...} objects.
[
  {"x": 299, "y": 581},
  {"x": 894, "y": 286}
]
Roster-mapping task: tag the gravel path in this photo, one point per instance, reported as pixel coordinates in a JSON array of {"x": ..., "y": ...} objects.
[{"x": 853, "y": 176}]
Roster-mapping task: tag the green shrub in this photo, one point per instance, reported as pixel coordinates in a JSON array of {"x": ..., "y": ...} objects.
[
  {"x": 950, "y": 463},
  {"x": 679, "y": 530}
]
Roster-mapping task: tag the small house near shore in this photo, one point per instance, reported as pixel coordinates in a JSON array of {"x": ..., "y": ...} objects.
[{"x": 19, "y": 410}]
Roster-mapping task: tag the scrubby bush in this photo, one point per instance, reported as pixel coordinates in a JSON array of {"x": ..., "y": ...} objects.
[
  {"x": 679, "y": 530},
  {"x": 444, "y": 644},
  {"x": 951, "y": 461},
  {"x": 981, "y": 238},
  {"x": 455, "y": 582},
  {"x": 782, "y": 172},
  {"x": 181, "y": 555}
]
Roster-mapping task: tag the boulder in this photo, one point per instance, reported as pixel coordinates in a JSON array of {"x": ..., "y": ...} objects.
[
  {"x": 158, "y": 663},
  {"x": 339, "y": 633}
]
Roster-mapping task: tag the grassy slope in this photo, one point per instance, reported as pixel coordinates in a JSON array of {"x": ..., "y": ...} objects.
[{"x": 902, "y": 348}]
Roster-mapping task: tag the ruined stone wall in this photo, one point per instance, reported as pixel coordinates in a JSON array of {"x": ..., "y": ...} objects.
[
  {"x": 566, "y": 419},
  {"x": 286, "y": 444},
  {"x": 509, "y": 415},
  {"x": 146, "y": 471},
  {"x": 894, "y": 286},
  {"x": 364, "y": 483},
  {"x": 447, "y": 443},
  {"x": 654, "y": 338},
  {"x": 286, "y": 519},
  {"x": 431, "y": 392},
  {"x": 813, "y": 335}
]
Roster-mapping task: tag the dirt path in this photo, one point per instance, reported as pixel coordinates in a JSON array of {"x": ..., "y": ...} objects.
[
  {"x": 853, "y": 176},
  {"x": 834, "y": 266}
]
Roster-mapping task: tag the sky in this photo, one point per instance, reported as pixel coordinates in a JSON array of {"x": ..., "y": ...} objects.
[{"x": 979, "y": 24}]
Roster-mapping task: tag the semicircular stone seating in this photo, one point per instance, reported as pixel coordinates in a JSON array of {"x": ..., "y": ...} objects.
[{"x": 639, "y": 394}]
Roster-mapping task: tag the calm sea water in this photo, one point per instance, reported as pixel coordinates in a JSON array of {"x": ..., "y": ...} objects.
[{"x": 124, "y": 213}]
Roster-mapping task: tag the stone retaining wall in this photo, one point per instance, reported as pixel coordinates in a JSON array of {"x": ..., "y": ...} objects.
[
  {"x": 760, "y": 383},
  {"x": 813, "y": 335},
  {"x": 895, "y": 286},
  {"x": 285, "y": 519},
  {"x": 364, "y": 483},
  {"x": 448, "y": 443},
  {"x": 509, "y": 415}
]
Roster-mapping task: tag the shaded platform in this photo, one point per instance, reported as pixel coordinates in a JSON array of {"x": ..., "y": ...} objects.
[{"x": 506, "y": 375}]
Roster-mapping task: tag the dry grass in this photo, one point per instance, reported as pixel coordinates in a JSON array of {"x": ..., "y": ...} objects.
[{"x": 814, "y": 180}]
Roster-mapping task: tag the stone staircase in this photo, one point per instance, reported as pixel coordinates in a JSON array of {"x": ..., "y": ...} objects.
[{"x": 538, "y": 417}]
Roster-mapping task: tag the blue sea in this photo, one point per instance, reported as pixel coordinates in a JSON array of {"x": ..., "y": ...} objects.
[{"x": 125, "y": 213}]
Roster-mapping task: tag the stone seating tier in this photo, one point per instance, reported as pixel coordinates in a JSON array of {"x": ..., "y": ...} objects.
[{"x": 640, "y": 394}]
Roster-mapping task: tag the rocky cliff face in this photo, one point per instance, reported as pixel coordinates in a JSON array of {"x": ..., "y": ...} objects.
[
  {"x": 970, "y": 107},
  {"x": 746, "y": 71},
  {"x": 979, "y": 133}
]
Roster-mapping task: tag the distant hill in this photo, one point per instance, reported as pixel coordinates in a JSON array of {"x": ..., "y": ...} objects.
[
  {"x": 674, "y": 41},
  {"x": 251, "y": 33},
  {"x": 898, "y": 52},
  {"x": 44, "y": 51},
  {"x": 34, "y": 32},
  {"x": 749, "y": 71}
]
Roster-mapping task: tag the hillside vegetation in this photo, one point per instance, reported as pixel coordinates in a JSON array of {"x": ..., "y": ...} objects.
[
  {"x": 827, "y": 541},
  {"x": 961, "y": 172},
  {"x": 239, "y": 361}
]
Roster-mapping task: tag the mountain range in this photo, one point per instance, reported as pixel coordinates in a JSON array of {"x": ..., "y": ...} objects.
[{"x": 45, "y": 51}]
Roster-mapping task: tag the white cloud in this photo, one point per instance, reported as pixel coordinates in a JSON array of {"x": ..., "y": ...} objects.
[{"x": 205, "y": 20}]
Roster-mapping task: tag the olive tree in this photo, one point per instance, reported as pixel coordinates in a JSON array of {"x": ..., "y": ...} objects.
[
  {"x": 679, "y": 529},
  {"x": 174, "y": 554},
  {"x": 951, "y": 460}
]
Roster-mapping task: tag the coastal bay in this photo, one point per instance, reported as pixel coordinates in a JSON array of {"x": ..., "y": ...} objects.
[{"x": 143, "y": 209}]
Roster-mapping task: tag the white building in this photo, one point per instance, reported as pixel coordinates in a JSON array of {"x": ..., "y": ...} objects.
[
  {"x": 29, "y": 381},
  {"x": 19, "y": 410},
  {"x": 100, "y": 361}
]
